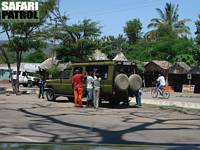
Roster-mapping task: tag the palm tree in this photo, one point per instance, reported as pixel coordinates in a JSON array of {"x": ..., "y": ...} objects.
[{"x": 169, "y": 20}]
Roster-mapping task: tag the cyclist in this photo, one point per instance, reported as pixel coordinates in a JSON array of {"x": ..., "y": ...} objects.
[{"x": 161, "y": 81}]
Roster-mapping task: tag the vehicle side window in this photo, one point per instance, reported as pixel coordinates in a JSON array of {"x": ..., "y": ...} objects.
[
  {"x": 66, "y": 74},
  {"x": 101, "y": 70}
]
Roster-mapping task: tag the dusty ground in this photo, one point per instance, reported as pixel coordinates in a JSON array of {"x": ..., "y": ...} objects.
[{"x": 29, "y": 119}]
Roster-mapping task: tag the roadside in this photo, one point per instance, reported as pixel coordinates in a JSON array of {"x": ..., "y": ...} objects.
[{"x": 176, "y": 99}]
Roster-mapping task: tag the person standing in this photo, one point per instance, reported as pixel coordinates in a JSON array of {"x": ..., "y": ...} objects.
[
  {"x": 96, "y": 90},
  {"x": 41, "y": 86},
  {"x": 78, "y": 87},
  {"x": 90, "y": 81},
  {"x": 138, "y": 98}
]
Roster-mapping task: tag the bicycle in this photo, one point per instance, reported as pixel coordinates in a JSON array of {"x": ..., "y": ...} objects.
[{"x": 156, "y": 91}]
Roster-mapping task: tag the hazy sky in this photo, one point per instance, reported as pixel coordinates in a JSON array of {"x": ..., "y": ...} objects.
[{"x": 113, "y": 14}]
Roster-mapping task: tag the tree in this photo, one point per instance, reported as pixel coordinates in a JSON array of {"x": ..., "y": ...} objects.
[
  {"x": 21, "y": 35},
  {"x": 11, "y": 57},
  {"x": 38, "y": 56},
  {"x": 111, "y": 45},
  {"x": 133, "y": 30},
  {"x": 78, "y": 41},
  {"x": 197, "y": 39},
  {"x": 169, "y": 22}
]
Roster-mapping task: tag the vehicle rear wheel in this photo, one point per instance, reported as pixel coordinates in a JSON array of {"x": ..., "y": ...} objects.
[
  {"x": 50, "y": 95},
  {"x": 154, "y": 93}
]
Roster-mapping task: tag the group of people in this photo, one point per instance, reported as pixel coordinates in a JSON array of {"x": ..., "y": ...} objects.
[{"x": 93, "y": 88}]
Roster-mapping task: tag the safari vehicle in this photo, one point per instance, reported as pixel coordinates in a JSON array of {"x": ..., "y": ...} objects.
[{"x": 118, "y": 81}]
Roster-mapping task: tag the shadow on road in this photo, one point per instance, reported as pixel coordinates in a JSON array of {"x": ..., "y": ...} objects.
[{"x": 108, "y": 136}]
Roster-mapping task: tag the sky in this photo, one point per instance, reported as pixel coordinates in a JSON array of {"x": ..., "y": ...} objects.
[{"x": 112, "y": 15}]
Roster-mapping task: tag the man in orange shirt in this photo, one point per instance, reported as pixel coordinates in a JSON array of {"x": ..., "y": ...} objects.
[{"x": 78, "y": 87}]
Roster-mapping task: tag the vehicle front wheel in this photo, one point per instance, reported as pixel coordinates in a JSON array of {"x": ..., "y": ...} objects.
[{"x": 50, "y": 95}]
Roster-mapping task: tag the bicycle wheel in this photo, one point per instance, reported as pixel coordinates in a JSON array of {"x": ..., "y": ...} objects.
[
  {"x": 154, "y": 93},
  {"x": 166, "y": 95}
]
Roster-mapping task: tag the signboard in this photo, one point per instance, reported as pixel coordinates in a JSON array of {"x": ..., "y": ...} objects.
[
  {"x": 19, "y": 11},
  {"x": 189, "y": 76},
  {"x": 188, "y": 88}
]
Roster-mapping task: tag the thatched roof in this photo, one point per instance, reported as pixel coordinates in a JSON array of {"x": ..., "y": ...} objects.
[
  {"x": 98, "y": 55},
  {"x": 50, "y": 62},
  {"x": 179, "y": 68},
  {"x": 157, "y": 65},
  {"x": 120, "y": 57}
]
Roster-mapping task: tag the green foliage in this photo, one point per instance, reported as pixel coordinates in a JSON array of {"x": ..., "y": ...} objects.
[
  {"x": 133, "y": 29},
  {"x": 54, "y": 70},
  {"x": 169, "y": 22},
  {"x": 196, "y": 53},
  {"x": 78, "y": 41},
  {"x": 167, "y": 48},
  {"x": 38, "y": 56},
  {"x": 197, "y": 39},
  {"x": 11, "y": 57},
  {"x": 112, "y": 45},
  {"x": 187, "y": 58}
]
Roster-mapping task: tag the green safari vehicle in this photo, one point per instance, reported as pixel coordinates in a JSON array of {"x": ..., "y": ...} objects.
[{"x": 118, "y": 81}]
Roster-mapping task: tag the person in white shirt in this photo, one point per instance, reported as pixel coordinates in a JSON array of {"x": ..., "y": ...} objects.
[
  {"x": 96, "y": 90},
  {"x": 161, "y": 81},
  {"x": 90, "y": 81}
]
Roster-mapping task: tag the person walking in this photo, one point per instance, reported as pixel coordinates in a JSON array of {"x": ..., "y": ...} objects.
[
  {"x": 90, "y": 81},
  {"x": 41, "y": 87},
  {"x": 78, "y": 87},
  {"x": 96, "y": 90}
]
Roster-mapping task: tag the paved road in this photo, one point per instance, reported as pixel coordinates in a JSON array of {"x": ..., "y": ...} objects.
[{"x": 28, "y": 119}]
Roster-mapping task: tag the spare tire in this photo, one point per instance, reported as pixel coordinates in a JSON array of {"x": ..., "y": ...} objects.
[
  {"x": 135, "y": 82},
  {"x": 121, "y": 82}
]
